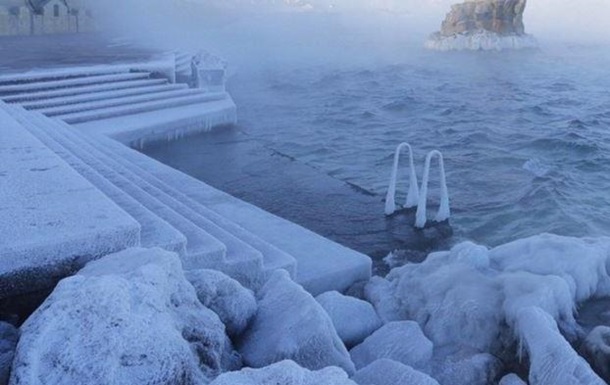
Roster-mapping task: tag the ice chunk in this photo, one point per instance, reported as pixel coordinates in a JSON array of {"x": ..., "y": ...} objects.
[
  {"x": 8, "y": 341},
  {"x": 380, "y": 292},
  {"x": 553, "y": 361},
  {"x": 388, "y": 372},
  {"x": 290, "y": 324},
  {"x": 284, "y": 373},
  {"x": 511, "y": 379},
  {"x": 401, "y": 341},
  {"x": 129, "y": 318},
  {"x": 353, "y": 318},
  {"x": 234, "y": 304}
]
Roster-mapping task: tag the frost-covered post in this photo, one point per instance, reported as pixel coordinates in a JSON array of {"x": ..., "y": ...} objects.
[
  {"x": 444, "y": 211},
  {"x": 208, "y": 73},
  {"x": 413, "y": 195},
  {"x": 195, "y": 71}
]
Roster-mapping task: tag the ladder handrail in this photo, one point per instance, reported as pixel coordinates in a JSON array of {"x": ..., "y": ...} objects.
[
  {"x": 444, "y": 211},
  {"x": 413, "y": 194}
]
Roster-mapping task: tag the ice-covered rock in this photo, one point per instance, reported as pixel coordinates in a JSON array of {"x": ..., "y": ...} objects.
[
  {"x": 290, "y": 324},
  {"x": 8, "y": 341},
  {"x": 284, "y": 373},
  {"x": 401, "y": 341},
  {"x": 511, "y": 379},
  {"x": 389, "y": 372},
  {"x": 353, "y": 318},
  {"x": 234, "y": 304},
  {"x": 597, "y": 350},
  {"x": 552, "y": 359},
  {"x": 129, "y": 318},
  {"x": 483, "y": 25},
  {"x": 465, "y": 367}
]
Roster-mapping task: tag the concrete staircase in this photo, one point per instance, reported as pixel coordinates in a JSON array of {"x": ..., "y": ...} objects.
[
  {"x": 128, "y": 101},
  {"x": 208, "y": 228}
]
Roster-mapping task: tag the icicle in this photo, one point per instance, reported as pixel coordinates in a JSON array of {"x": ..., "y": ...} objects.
[
  {"x": 413, "y": 194},
  {"x": 444, "y": 211}
]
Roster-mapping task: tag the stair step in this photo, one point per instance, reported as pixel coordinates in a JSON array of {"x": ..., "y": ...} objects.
[
  {"x": 122, "y": 101},
  {"x": 155, "y": 232},
  {"x": 47, "y": 227},
  {"x": 242, "y": 259},
  {"x": 274, "y": 258},
  {"x": 83, "y": 90},
  {"x": 202, "y": 249},
  {"x": 84, "y": 98},
  {"x": 136, "y": 108},
  {"x": 59, "y": 73},
  {"x": 71, "y": 82}
]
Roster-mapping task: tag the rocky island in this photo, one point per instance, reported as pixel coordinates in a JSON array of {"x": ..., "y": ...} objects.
[{"x": 483, "y": 25}]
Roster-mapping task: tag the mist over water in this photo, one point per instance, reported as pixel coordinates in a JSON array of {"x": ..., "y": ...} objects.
[{"x": 524, "y": 134}]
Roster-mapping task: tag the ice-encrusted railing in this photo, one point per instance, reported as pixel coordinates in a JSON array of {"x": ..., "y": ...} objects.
[
  {"x": 418, "y": 197},
  {"x": 413, "y": 195}
]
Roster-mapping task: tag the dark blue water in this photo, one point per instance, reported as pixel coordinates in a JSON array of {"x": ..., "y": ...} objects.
[{"x": 525, "y": 135}]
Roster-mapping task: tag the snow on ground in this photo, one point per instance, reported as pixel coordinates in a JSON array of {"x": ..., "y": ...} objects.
[
  {"x": 474, "y": 303},
  {"x": 128, "y": 318},
  {"x": 284, "y": 373},
  {"x": 290, "y": 324}
]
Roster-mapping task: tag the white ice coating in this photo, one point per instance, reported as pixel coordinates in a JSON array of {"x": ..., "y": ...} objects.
[
  {"x": 413, "y": 195},
  {"x": 444, "y": 212}
]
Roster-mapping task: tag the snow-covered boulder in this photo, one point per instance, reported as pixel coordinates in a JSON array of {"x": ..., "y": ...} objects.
[
  {"x": 129, "y": 318},
  {"x": 597, "y": 350},
  {"x": 552, "y": 359},
  {"x": 388, "y": 372},
  {"x": 465, "y": 367},
  {"x": 401, "y": 341},
  {"x": 511, "y": 379},
  {"x": 233, "y": 303},
  {"x": 353, "y": 318},
  {"x": 284, "y": 373},
  {"x": 290, "y": 324},
  {"x": 8, "y": 341}
]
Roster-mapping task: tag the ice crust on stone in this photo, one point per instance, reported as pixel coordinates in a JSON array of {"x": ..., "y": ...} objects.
[
  {"x": 389, "y": 372},
  {"x": 464, "y": 367},
  {"x": 472, "y": 300},
  {"x": 354, "y": 319},
  {"x": 401, "y": 341},
  {"x": 597, "y": 350},
  {"x": 234, "y": 304},
  {"x": 285, "y": 373},
  {"x": 291, "y": 325},
  {"x": 128, "y": 318},
  {"x": 8, "y": 341},
  {"x": 481, "y": 41}
]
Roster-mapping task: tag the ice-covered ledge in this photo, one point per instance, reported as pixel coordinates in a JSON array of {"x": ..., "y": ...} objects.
[{"x": 480, "y": 41}]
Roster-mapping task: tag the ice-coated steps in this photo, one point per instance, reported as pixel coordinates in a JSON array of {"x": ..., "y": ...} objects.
[
  {"x": 12, "y": 89},
  {"x": 53, "y": 220},
  {"x": 202, "y": 249},
  {"x": 118, "y": 101},
  {"x": 274, "y": 258},
  {"x": 242, "y": 259},
  {"x": 89, "y": 89},
  {"x": 154, "y": 231},
  {"x": 135, "y": 108},
  {"x": 85, "y": 98}
]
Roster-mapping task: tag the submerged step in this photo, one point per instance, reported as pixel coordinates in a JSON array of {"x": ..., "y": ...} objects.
[
  {"x": 82, "y": 90},
  {"x": 136, "y": 108},
  {"x": 71, "y": 82}
]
